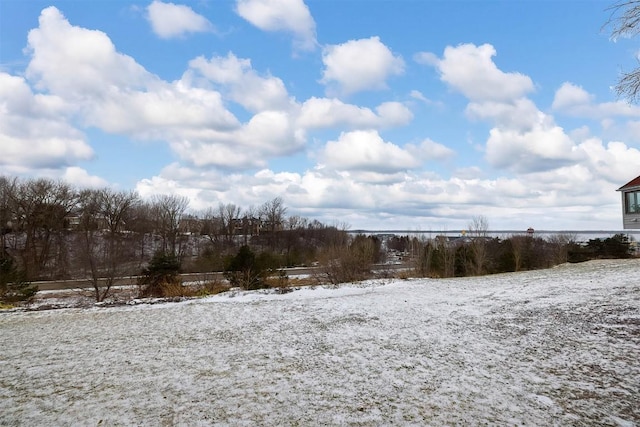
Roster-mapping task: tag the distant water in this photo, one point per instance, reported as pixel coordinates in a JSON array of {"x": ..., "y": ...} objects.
[{"x": 577, "y": 235}]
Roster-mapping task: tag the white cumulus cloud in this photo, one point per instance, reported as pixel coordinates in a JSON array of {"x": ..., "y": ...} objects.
[
  {"x": 570, "y": 95},
  {"x": 521, "y": 114},
  {"x": 358, "y": 65},
  {"x": 242, "y": 83},
  {"x": 34, "y": 129},
  {"x": 290, "y": 16},
  {"x": 418, "y": 200},
  {"x": 615, "y": 160},
  {"x": 169, "y": 20},
  {"x": 366, "y": 151},
  {"x": 574, "y": 100},
  {"x": 189, "y": 114},
  {"x": 332, "y": 113},
  {"x": 111, "y": 90},
  {"x": 541, "y": 148},
  {"x": 79, "y": 177},
  {"x": 268, "y": 134},
  {"x": 470, "y": 70},
  {"x": 431, "y": 150},
  {"x": 77, "y": 62}
]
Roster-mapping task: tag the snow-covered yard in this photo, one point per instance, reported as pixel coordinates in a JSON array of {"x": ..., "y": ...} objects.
[{"x": 550, "y": 347}]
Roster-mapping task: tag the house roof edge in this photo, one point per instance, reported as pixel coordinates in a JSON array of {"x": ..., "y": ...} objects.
[{"x": 635, "y": 182}]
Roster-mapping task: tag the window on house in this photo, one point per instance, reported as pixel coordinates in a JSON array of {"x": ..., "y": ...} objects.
[{"x": 632, "y": 202}]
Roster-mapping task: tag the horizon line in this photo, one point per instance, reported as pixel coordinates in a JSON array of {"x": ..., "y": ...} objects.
[{"x": 395, "y": 231}]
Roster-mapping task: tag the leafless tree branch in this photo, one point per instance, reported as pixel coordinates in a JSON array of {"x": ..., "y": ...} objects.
[{"x": 624, "y": 21}]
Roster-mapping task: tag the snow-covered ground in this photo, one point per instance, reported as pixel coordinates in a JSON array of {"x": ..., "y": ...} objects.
[{"x": 550, "y": 347}]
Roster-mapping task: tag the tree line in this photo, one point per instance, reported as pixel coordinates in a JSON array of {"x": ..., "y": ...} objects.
[
  {"x": 50, "y": 230},
  {"x": 477, "y": 253}
]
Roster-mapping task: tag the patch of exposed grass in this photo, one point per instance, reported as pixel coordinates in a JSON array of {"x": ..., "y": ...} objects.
[{"x": 211, "y": 288}]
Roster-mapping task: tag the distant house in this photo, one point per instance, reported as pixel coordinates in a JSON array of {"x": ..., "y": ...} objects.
[
  {"x": 190, "y": 224},
  {"x": 631, "y": 204}
]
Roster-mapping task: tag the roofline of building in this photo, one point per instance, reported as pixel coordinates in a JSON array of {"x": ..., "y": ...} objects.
[{"x": 631, "y": 185}]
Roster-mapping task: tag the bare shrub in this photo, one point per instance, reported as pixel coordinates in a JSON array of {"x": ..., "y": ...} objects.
[
  {"x": 519, "y": 244},
  {"x": 280, "y": 281},
  {"x": 443, "y": 258},
  {"x": 212, "y": 287},
  {"x": 168, "y": 289},
  {"x": 349, "y": 263},
  {"x": 423, "y": 257},
  {"x": 478, "y": 230},
  {"x": 559, "y": 246}
]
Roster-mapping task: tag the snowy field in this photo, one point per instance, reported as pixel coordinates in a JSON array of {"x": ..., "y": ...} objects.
[{"x": 550, "y": 347}]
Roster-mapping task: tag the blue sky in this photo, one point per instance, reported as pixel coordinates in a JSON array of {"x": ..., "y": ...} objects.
[{"x": 378, "y": 114}]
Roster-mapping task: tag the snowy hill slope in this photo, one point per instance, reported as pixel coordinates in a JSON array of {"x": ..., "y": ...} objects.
[{"x": 548, "y": 347}]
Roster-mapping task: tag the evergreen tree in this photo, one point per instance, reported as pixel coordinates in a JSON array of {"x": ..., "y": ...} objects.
[
  {"x": 13, "y": 287},
  {"x": 245, "y": 270},
  {"x": 161, "y": 277}
]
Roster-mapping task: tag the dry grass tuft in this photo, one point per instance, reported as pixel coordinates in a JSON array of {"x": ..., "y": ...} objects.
[{"x": 212, "y": 287}]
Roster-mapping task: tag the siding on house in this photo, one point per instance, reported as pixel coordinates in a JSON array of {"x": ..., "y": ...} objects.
[{"x": 630, "y": 193}]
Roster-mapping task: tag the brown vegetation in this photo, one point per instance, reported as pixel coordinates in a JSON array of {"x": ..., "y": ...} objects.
[{"x": 50, "y": 230}]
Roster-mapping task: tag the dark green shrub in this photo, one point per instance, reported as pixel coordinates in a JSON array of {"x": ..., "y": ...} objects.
[
  {"x": 162, "y": 277},
  {"x": 577, "y": 253},
  {"x": 443, "y": 259},
  {"x": 13, "y": 287},
  {"x": 617, "y": 246},
  {"x": 247, "y": 271},
  {"x": 463, "y": 262},
  {"x": 501, "y": 257}
]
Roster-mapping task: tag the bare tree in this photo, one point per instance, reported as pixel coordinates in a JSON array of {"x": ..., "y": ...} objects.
[
  {"x": 296, "y": 222},
  {"x": 106, "y": 249},
  {"x": 168, "y": 211},
  {"x": 422, "y": 254},
  {"x": 41, "y": 209},
  {"x": 272, "y": 215},
  {"x": 88, "y": 239},
  {"x": 212, "y": 226},
  {"x": 141, "y": 224},
  {"x": 117, "y": 209},
  {"x": 560, "y": 246},
  {"x": 293, "y": 239},
  {"x": 446, "y": 254},
  {"x": 518, "y": 247},
  {"x": 7, "y": 210},
  {"x": 250, "y": 223},
  {"x": 478, "y": 231},
  {"x": 624, "y": 21},
  {"x": 228, "y": 215}
]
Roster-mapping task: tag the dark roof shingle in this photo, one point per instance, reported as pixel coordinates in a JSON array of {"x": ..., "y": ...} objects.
[{"x": 635, "y": 182}]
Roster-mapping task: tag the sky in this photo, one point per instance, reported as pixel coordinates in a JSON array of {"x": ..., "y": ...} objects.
[{"x": 377, "y": 114}]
